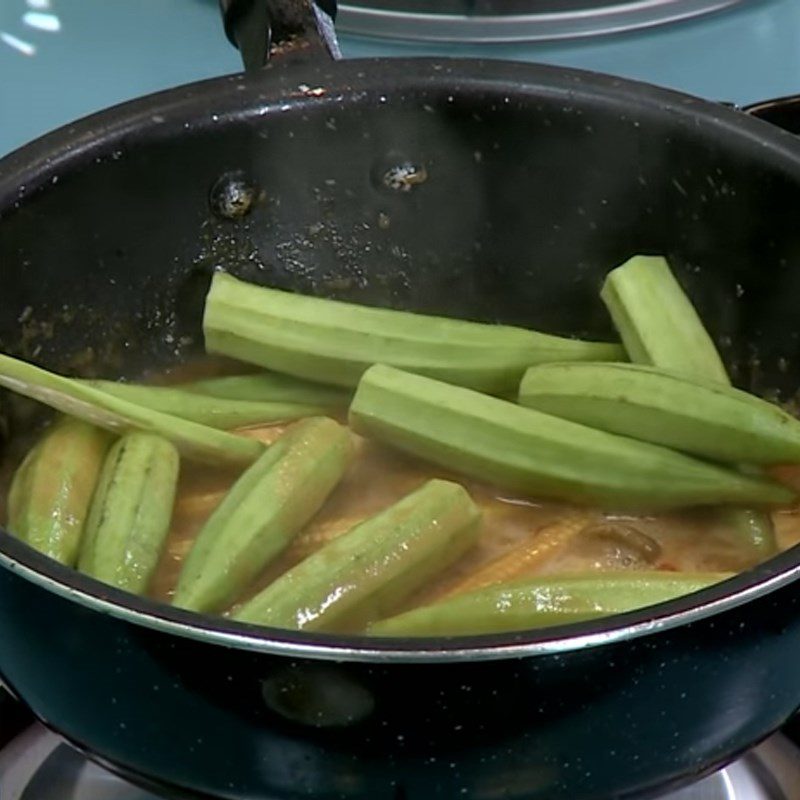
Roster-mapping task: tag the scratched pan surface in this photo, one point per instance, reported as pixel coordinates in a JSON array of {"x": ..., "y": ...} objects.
[{"x": 493, "y": 191}]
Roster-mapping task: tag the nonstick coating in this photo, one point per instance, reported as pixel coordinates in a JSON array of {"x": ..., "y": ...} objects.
[{"x": 528, "y": 184}]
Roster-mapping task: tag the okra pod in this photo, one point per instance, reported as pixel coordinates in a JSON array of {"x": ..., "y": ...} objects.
[
  {"x": 696, "y": 416},
  {"x": 364, "y": 572},
  {"x": 538, "y": 454},
  {"x": 49, "y": 498},
  {"x": 659, "y": 326},
  {"x": 121, "y": 416},
  {"x": 335, "y": 342},
  {"x": 265, "y": 508},
  {"x": 657, "y": 322},
  {"x": 272, "y": 387},
  {"x": 544, "y": 601},
  {"x": 131, "y": 512},
  {"x": 215, "y": 412}
]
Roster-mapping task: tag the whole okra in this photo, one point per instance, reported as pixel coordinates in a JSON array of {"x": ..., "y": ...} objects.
[
  {"x": 119, "y": 416},
  {"x": 659, "y": 326},
  {"x": 537, "y": 454},
  {"x": 544, "y": 601},
  {"x": 697, "y": 416},
  {"x": 657, "y": 322},
  {"x": 365, "y": 572},
  {"x": 131, "y": 512},
  {"x": 335, "y": 342},
  {"x": 215, "y": 412},
  {"x": 265, "y": 508},
  {"x": 51, "y": 491}
]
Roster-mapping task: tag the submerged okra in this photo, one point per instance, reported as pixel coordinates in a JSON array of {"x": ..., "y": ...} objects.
[
  {"x": 363, "y": 573},
  {"x": 538, "y": 454},
  {"x": 131, "y": 512},
  {"x": 215, "y": 412},
  {"x": 335, "y": 342},
  {"x": 262, "y": 512},
  {"x": 111, "y": 413},
  {"x": 49, "y": 498},
  {"x": 544, "y": 601},
  {"x": 659, "y": 326}
]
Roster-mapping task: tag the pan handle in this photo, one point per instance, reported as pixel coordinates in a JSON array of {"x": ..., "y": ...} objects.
[
  {"x": 781, "y": 111},
  {"x": 267, "y": 29}
]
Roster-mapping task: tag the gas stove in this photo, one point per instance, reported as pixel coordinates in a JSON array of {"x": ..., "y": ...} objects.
[{"x": 36, "y": 765}]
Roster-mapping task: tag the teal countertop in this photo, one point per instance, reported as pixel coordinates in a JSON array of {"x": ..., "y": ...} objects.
[{"x": 62, "y": 59}]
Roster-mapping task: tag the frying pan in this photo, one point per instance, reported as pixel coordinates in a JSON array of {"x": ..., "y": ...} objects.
[{"x": 538, "y": 179}]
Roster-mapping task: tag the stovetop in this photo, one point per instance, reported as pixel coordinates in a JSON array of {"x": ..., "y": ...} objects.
[{"x": 36, "y": 765}]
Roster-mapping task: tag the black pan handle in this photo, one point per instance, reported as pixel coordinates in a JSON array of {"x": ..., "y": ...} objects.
[
  {"x": 266, "y": 29},
  {"x": 781, "y": 111}
]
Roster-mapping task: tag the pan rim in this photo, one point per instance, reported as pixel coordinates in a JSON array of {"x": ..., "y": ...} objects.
[
  {"x": 765, "y": 579},
  {"x": 164, "y": 114},
  {"x": 284, "y": 86}
]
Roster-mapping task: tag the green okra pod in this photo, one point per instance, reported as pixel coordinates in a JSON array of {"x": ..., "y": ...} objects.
[
  {"x": 262, "y": 512},
  {"x": 701, "y": 417},
  {"x": 131, "y": 512},
  {"x": 538, "y": 454},
  {"x": 215, "y": 412},
  {"x": 364, "y": 572},
  {"x": 657, "y": 322},
  {"x": 51, "y": 491},
  {"x": 272, "y": 387},
  {"x": 335, "y": 342},
  {"x": 85, "y": 402},
  {"x": 659, "y": 326},
  {"x": 544, "y": 601}
]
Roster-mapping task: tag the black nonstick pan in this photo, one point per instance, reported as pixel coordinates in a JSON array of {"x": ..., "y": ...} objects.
[{"x": 530, "y": 183}]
